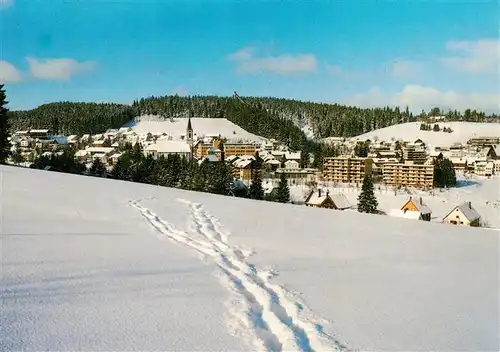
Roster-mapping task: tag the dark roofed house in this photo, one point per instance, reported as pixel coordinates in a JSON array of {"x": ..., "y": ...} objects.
[{"x": 322, "y": 199}]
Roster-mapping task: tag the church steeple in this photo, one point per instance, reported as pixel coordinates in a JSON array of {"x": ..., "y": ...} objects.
[{"x": 189, "y": 131}]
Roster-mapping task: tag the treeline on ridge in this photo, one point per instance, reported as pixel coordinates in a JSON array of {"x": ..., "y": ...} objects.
[{"x": 269, "y": 117}]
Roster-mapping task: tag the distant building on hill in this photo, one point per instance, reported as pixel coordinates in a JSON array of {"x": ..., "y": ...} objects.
[
  {"x": 166, "y": 147},
  {"x": 483, "y": 141},
  {"x": 415, "y": 153}
]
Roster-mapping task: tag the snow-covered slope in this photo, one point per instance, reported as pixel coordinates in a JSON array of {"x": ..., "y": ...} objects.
[
  {"x": 201, "y": 127},
  {"x": 462, "y": 132},
  {"x": 93, "y": 264}
]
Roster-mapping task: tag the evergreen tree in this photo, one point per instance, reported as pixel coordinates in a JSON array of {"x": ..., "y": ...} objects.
[
  {"x": 361, "y": 149},
  {"x": 367, "y": 202},
  {"x": 436, "y": 128},
  {"x": 221, "y": 178},
  {"x": 189, "y": 178},
  {"x": 304, "y": 158},
  {"x": 62, "y": 163},
  {"x": 137, "y": 154},
  {"x": 97, "y": 169},
  {"x": 444, "y": 173},
  {"x": 121, "y": 170},
  {"x": 4, "y": 127},
  {"x": 17, "y": 157},
  {"x": 256, "y": 190},
  {"x": 141, "y": 171},
  {"x": 283, "y": 191}
]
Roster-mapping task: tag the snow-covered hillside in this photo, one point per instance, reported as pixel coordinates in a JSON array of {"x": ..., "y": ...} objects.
[
  {"x": 94, "y": 264},
  {"x": 462, "y": 132},
  {"x": 201, "y": 127}
]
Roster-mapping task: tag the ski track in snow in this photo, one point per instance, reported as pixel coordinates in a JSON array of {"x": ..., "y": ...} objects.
[{"x": 272, "y": 312}]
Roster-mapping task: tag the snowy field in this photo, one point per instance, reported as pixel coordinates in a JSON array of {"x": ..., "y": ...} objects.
[
  {"x": 94, "y": 264},
  {"x": 462, "y": 132},
  {"x": 483, "y": 193},
  {"x": 201, "y": 127}
]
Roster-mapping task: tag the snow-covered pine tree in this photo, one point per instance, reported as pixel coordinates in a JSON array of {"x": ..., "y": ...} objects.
[
  {"x": 256, "y": 190},
  {"x": 97, "y": 169},
  {"x": 367, "y": 202},
  {"x": 283, "y": 191}
]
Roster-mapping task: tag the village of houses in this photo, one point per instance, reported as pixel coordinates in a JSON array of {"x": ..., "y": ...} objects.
[{"x": 328, "y": 188}]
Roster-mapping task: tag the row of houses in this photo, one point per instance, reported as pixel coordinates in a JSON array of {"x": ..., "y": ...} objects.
[{"x": 461, "y": 215}]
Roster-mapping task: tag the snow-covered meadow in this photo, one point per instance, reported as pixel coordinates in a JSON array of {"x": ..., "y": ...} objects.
[{"x": 95, "y": 264}]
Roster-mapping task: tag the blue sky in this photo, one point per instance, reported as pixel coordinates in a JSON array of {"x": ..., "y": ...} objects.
[{"x": 417, "y": 53}]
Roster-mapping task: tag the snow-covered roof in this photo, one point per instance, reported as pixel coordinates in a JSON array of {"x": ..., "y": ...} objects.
[
  {"x": 318, "y": 196},
  {"x": 340, "y": 201},
  {"x": 231, "y": 158},
  {"x": 210, "y": 157},
  {"x": 414, "y": 215},
  {"x": 316, "y": 199},
  {"x": 166, "y": 146},
  {"x": 242, "y": 163},
  {"x": 458, "y": 160},
  {"x": 273, "y": 162},
  {"x": 39, "y": 131},
  {"x": 116, "y": 155},
  {"x": 387, "y": 154},
  {"x": 104, "y": 150},
  {"x": 292, "y": 156},
  {"x": 99, "y": 156},
  {"x": 422, "y": 208},
  {"x": 469, "y": 212},
  {"x": 81, "y": 153}
]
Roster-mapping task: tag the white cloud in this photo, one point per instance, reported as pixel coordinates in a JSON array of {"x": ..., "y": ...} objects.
[
  {"x": 180, "y": 91},
  {"x": 406, "y": 68},
  {"x": 418, "y": 97},
  {"x": 57, "y": 69},
  {"x": 9, "y": 73},
  {"x": 242, "y": 54},
  {"x": 284, "y": 64},
  {"x": 474, "y": 56},
  {"x": 5, "y": 3}
]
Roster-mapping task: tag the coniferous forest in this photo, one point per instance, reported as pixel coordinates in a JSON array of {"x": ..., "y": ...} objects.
[
  {"x": 172, "y": 171},
  {"x": 268, "y": 117}
]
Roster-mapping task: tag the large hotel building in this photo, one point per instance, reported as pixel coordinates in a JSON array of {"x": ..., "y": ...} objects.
[{"x": 346, "y": 169}]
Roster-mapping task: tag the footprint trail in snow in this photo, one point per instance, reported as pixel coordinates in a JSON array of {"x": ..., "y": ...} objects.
[{"x": 269, "y": 309}]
